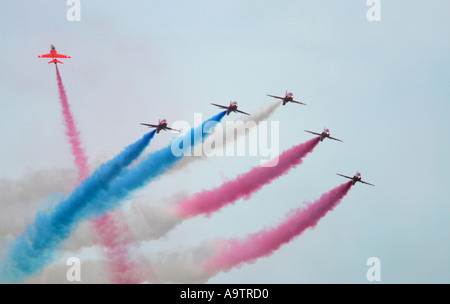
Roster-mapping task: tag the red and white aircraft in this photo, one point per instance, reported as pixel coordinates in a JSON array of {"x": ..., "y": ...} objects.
[
  {"x": 231, "y": 108},
  {"x": 54, "y": 54},
  {"x": 356, "y": 178},
  {"x": 162, "y": 125},
  {"x": 289, "y": 97},
  {"x": 324, "y": 134}
]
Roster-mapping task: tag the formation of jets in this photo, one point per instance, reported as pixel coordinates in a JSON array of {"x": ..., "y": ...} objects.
[{"x": 232, "y": 107}]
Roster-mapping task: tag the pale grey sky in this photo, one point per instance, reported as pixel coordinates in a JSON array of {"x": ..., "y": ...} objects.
[{"x": 382, "y": 87}]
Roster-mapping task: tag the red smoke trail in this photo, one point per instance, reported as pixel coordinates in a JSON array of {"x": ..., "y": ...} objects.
[
  {"x": 115, "y": 239},
  {"x": 72, "y": 132},
  {"x": 120, "y": 269},
  {"x": 245, "y": 184},
  {"x": 263, "y": 243}
]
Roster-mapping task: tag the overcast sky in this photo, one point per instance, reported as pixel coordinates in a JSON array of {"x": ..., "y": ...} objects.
[{"x": 382, "y": 87}]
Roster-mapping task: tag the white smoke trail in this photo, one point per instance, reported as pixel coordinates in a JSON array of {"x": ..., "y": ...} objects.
[
  {"x": 20, "y": 199},
  {"x": 36, "y": 185},
  {"x": 182, "y": 266},
  {"x": 147, "y": 220},
  {"x": 166, "y": 267},
  {"x": 231, "y": 133}
]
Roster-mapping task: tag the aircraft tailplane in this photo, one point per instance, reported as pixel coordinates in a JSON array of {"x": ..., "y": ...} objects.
[{"x": 55, "y": 61}]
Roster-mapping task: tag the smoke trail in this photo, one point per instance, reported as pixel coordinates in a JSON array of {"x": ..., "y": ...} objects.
[
  {"x": 221, "y": 139},
  {"x": 245, "y": 184},
  {"x": 36, "y": 185},
  {"x": 72, "y": 133},
  {"x": 20, "y": 199},
  {"x": 263, "y": 243},
  {"x": 116, "y": 240},
  {"x": 36, "y": 246},
  {"x": 113, "y": 238}
]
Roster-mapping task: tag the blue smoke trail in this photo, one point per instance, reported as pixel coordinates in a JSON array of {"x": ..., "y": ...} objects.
[
  {"x": 57, "y": 217},
  {"x": 96, "y": 195}
]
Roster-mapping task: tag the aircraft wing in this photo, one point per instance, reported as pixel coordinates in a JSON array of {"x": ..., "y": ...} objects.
[
  {"x": 149, "y": 125},
  {"x": 242, "y": 112},
  {"x": 313, "y": 132},
  {"x": 62, "y": 56},
  {"x": 299, "y": 102},
  {"x": 220, "y": 106},
  {"x": 173, "y": 129},
  {"x": 334, "y": 138},
  {"x": 275, "y": 96},
  {"x": 366, "y": 183},
  {"x": 46, "y": 56},
  {"x": 345, "y": 176}
]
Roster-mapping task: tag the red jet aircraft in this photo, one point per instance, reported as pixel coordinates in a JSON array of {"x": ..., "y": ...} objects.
[
  {"x": 162, "y": 125},
  {"x": 289, "y": 97},
  {"x": 356, "y": 178},
  {"x": 324, "y": 134},
  {"x": 231, "y": 108},
  {"x": 54, "y": 54}
]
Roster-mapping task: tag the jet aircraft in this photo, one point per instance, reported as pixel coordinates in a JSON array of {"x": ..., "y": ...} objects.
[
  {"x": 231, "y": 108},
  {"x": 162, "y": 125},
  {"x": 324, "y": 134},
  {"x": 54, "y": 54},
  {"x": 356, "y": 178},
  {"x": 289, "y": 97}
]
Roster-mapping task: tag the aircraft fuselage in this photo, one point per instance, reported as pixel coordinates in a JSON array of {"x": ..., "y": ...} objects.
[
  {"x": 232, "y": 108},
  {"x": 356, "y": 178},
  {"x": 324, "y": 135},
  {"x": 287, "y": 99},
  {"x": 162, "y": 126}
]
